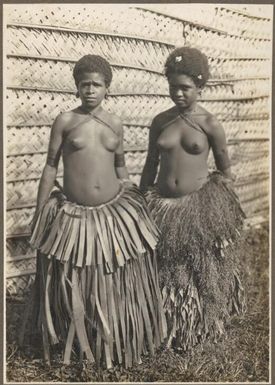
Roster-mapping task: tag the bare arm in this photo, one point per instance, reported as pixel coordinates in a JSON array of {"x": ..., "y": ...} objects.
[
  {"x": 120, "y": 166},
  {"x": 151, "y": 165},
  {"x": 218, "y": 144},
  {"x": 50, "y": 169}
]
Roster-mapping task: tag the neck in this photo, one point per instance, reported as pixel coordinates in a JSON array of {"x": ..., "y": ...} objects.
[
  {"x": 187, "y": 110},
  {"x": 90, "y": 110}
]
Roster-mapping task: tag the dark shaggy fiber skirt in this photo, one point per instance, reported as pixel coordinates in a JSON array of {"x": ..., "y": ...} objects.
[
  {"x": 97, "y": 284},
  {"x": 198, "y": 260}
]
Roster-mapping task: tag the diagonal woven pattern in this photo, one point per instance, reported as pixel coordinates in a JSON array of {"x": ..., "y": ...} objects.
[
  {"x": 115, "y": 19},
  {"x": 147, "y": 24},
  {"x": 16, "y": 247},
  {"x": 234, "y": 20},
  {"x": 15, "y": 267},
  {"x": 18, "y": 221},
  {"x": 58, "y": 75},
  {"x": 243, "y": 130},
  {"x": 32, "y": 107},
  {"x": 44, "y": 41},
  {"x": 240, "y": 68},
  {"x": 27, "y": 139},
  {"x": 214, "y": 44},
  {"x": 248, "y": 193},
  {"x": 21, "y": 284},
  {"x": 47, "y": 74},
  {"x": 74, "y": 45}
]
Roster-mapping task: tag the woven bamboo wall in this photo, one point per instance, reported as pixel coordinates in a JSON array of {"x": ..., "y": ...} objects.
[{"x": 44, "y": 41}]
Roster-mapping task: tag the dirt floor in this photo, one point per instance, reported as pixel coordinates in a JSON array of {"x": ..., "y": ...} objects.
[{"x": 242, "y": 356}]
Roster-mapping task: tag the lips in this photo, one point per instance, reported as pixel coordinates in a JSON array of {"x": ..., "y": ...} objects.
[{"x": 90, "y": 99}]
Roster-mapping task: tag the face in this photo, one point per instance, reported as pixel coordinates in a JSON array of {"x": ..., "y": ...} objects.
[
  {"x": 92, "y": 89},
  {"x": 183, "y": 90}
]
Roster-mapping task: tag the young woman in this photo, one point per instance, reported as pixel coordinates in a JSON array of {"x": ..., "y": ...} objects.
[
  {"x": 198, "y": 213},
  {"x": 96, "y": 281}
]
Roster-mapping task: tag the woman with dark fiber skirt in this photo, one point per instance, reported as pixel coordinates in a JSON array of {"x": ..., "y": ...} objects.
[{"x": 197, "y": 212}]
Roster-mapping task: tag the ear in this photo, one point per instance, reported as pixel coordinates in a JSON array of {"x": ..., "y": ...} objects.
[{"x": 107, "y": 93}]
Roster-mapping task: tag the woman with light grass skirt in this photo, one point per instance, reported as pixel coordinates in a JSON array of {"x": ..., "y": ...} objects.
[
  {"x": 96, "y": 287},
  {"x": 197, "y": 212}
]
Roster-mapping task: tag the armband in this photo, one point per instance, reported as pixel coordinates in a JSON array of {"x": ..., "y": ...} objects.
[
  {"x": 53, "y": 158},
  {"x": 51, "y": 161},
  {"x": 119, "y": 160}
]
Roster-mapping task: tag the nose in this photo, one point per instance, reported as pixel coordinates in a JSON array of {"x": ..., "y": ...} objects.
[
  {"x": 90, "y": 89},
  {"x": 179, "y": 93}
]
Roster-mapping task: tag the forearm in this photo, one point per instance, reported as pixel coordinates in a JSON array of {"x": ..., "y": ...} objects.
[
  {"x": 223, "y": 164},
  {"x": 148, "y": 177},
  {"x": 227, "y": 173},
  {"x": 122, "y": 172},
  {"x": 45, "y": 185},
  {"x": 149, "y": 172}
]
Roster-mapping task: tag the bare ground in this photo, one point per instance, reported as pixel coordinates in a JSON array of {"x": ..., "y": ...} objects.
[{"x": 242, "y": 356}]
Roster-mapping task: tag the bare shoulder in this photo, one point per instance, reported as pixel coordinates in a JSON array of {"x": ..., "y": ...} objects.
[
  {"x": 62, "y": 121},
  {"x": 208, "y": 121},
  {"x": 64, "y": 118},
  {"x": 164, "y": 117},
  {"x": 113, "y": 121}
]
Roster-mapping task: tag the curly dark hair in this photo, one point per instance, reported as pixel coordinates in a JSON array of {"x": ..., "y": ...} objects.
[
  {"x": 93, "y": 63},
  {"x": 188, "y": 61}
]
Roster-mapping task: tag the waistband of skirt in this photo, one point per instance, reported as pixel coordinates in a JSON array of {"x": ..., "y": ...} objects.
[
  {"x": 62, "y": 198},
  {"x": 213, "y": 176}
]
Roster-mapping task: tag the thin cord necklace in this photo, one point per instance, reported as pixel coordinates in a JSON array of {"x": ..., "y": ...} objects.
[
  {"x": 188, "y": 118},
  {"x": 188, "y": 112}
]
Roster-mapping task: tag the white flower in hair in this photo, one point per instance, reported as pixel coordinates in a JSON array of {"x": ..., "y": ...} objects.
[
  {"x": 200, "y": 76},
  {"x": 178, "y": 59}
]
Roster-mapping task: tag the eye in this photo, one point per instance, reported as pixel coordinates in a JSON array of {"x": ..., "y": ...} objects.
[{"x": 98, "y": 85}]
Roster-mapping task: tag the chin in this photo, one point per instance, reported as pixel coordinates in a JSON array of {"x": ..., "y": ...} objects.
[
  {"x": 91, "y": 104},
  {"x": 182, "y": 105}
]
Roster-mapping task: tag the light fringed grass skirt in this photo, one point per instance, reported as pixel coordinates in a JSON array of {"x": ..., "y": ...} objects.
[
  {"x": 199, "y": 259},
  {"x": 97, "y": 282}
]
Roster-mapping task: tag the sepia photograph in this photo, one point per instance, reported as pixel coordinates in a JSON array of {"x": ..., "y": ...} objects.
[{"x": 137, "y": 185}]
